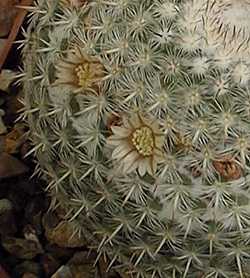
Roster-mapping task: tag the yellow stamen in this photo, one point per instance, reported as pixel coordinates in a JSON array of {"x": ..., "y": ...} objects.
[
  {"x": 84, "y": 74},
  {"x": 143, "y": 140}
]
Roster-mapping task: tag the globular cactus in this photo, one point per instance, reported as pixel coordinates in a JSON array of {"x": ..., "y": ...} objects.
[{"x": 139, "y": 113}]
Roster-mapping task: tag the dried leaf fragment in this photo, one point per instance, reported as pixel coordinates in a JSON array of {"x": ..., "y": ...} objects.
[{"x": 228, "y": 168}]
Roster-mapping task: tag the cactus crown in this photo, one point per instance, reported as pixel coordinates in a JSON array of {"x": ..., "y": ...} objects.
[{"x": 139, "y": 114}]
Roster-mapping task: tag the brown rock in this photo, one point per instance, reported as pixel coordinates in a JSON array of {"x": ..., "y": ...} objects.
[
  {"x": 3, "y": 273},
  {"x": 2, "y": 139},
  {"x": 82, "y": 265},
  {"x": 50, "y": 264},
  {"x": 50, "y": 220},
  {"x": 63, "y": 272},
  {"x": 3, "y": 128},
  {"x": 61, "y": 254},
  {"x": 7, "y": 15},
  {"x": 22, "y": 248},
  {"x": 35, "y": 220},
  {"x": 24, "y": 149},
  {"x": 7, "y": 219},
  {"x": 29, "y": 275},
  {"x": 103, "y": 269},
  {"x": 29, "y": 233},
  {"x": 61, "y": 233},
  {"x": 6, "y": 78},
  {"x": 27, "y": 268},
  {"x": 13, "y": 106},
  {"x": 124, "y": 275},
  {"x": 14, "y": 139},
  {"x": 83, "y": 257},
  {"x": 86, "y": 271},
  {"x": 2, "y": 44},
  {"x": 11, "y": 166}
]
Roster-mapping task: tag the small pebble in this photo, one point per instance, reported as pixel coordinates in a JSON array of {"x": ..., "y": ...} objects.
[
  {"x": 29, "y": 275},
  {"x": 61, "y": 234},
  {"x": 11, "y": 166},
  {"x": 63, "y": 272},
  {"x": 22, "y": 248},
  {"x": 7, "y": 219},
  {"x": 3, "y": 273}
]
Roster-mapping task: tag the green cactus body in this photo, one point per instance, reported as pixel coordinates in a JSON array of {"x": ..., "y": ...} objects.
[{"x": 139, "y": 113}]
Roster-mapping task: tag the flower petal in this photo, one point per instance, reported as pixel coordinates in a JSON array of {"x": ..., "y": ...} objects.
[
  {"x": 114, "y": 140},
  {"x": 142, "y": 167},
  {"x": 131, "y": 162},
  {"x": 120, "y": 132},
  {"x": 121, "y": 151},
  {"x": 152, "y": 166}
]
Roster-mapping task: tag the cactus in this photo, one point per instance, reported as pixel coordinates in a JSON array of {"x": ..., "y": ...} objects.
[{"x": 139, "y": 114}]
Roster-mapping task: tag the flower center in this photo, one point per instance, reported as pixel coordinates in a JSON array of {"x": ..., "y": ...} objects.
[
  {"x": 84, "y": 74},
  {"x": 143, "y": 140}
]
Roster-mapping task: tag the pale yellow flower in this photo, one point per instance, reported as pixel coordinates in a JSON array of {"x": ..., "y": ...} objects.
[
  {"x": 79, "y": 70},
  {"x": 138, "y": 144}
]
